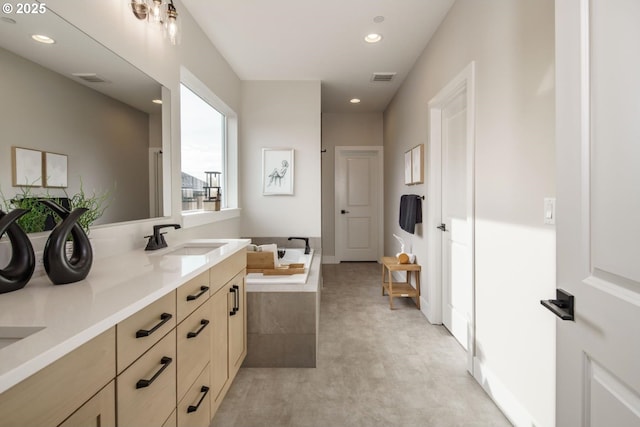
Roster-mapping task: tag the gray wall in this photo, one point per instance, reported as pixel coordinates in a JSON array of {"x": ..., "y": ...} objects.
[{"x": 106, "y": 141}]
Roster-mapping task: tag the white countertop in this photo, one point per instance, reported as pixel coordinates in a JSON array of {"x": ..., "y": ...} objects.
[{"x": 73, "y": 314}]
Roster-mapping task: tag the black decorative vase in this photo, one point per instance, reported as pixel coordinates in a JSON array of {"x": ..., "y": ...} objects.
[
  {"x": 60, "y": 269},
  {"x": 23, "y": 260}
]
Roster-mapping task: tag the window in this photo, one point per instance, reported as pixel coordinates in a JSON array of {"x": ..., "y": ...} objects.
[{"x": 204, "y": 142}]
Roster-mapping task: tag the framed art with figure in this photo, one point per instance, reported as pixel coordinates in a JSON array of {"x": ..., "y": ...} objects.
[{"x": 277, "y": 171}]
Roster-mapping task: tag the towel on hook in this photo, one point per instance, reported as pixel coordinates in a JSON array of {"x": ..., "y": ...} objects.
[{"x": 410, "y": 212}]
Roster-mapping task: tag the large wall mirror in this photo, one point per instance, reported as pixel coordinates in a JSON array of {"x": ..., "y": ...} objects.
[{"x": 88, "y": 108}]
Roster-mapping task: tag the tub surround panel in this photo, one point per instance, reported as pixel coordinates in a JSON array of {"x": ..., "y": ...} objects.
[
  {"x": 294, "y": 320},
  {"x": 72, "y": 315},
  {"x": 281, "y": 351}
]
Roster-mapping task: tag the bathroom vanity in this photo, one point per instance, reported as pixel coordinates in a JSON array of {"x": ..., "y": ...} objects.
[{"x": 148, "y": 339}]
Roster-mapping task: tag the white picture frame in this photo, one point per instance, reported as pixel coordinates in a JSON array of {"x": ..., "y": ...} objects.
[
  {"x": 417, "y": 164},
  {"x": 277, "y": 171},
  {"x": 55, "y": 170},
  {"x": 407, "y": 168},
  {"x": 26, "y": 167}
]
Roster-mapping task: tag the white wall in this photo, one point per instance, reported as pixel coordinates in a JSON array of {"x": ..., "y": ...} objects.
[
  {"x": 352, "y": 129},
  {"x": 113, "y": 25},
  {"x": 280, "y": 114},
  {"x": 512, "y": 43}
]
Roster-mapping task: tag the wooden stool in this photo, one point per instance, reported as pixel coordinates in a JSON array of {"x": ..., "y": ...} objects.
[{"x": 400, "y": 289}]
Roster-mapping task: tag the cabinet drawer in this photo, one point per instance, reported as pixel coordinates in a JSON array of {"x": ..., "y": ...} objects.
[
  {"x": 192, "y": 295},
  {"x": 52, "y": 394},
  {"x": 150, "y": 405},
  {"x": 172, "y": 421},
  {"x": 100, "y": 411},
  {"x": 194, "y": 338},
  {"x": 221, "y": 273},
  {"x": 140, "y": 331},
  {"x": 194, "y": 409}
]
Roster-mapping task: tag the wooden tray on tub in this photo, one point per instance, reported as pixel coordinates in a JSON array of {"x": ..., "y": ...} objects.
[{"x": 283, "y": 270}]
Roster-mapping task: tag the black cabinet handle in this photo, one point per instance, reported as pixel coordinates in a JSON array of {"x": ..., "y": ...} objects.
[
  {"x": 442, "y": 227},
  {"x": 165, "y": 361},
  {"x": 203, "y": 290},
  {"x": 233, "y": 310},
  {"x": 204, "y": 323},
  {"x": 164, "y": 318},
  {"x": 237, "y": 298},
  {"x": 204, "y": 390},
  {"x": 562, "y": 306}
]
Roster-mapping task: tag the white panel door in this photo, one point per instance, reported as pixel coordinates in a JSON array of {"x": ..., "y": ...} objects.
[
  {"x": 457, "y": 239},
  {"x": 358, "y": 197},
  {"x": 598, "y": 211}
]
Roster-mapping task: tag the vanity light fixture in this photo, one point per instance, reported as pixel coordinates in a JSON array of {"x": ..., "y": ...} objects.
[
  {"x": 354, "y": 101},
  {"x": 162, "y": 12},
  {"x": 373, "y": 38},
  {"x": 43, "y": 39}
]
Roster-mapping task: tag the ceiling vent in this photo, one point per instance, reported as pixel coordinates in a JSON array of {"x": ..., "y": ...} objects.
[
  {"x": 90, "y": 77},
  {"x": 382, "y": 77}
]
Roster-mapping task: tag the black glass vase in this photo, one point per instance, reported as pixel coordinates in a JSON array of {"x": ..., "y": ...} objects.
[
  {"x": 60, "y": 268},
  {"x": 23, "y": 261}
]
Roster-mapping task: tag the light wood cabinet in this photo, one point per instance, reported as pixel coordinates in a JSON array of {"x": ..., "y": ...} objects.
[
  {"x": 193, "y": 346},
  {"x": 237, "y": 324},
  {"x": 192, "y": 295},
  {"x": 172, "y": 421},
  {"x": 99, "y": 411},
  {"x": 194, "y": 410},
  {"x": 146, "y": 390},
  {"x": 137, "y": 333},
  {"x": 48, "y": 397}
]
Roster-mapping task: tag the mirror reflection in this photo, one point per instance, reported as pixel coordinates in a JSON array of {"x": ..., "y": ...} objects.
[{"x": 89, "y": 112}]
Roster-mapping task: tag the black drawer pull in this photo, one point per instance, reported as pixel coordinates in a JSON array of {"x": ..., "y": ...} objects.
[
  {"x": 164, "y": 318},
  {"x": 237, "y": 296},
  {"x": 165, "y": 361},
  {"x": 203, "y": 290},
  {"x": 235, "y": 293},
  {"x": 204, "y": 389},
  {"x": 204, "y": 323}
]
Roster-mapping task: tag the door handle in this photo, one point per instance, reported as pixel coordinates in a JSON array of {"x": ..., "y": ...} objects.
[
  {"x": 442, "y": 227},
  {"x": 562, "y": 306},
  {"x": 342, "y": 211}
]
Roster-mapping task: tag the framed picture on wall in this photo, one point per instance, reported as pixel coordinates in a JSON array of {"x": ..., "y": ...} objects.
[
  {"x": 277, "y": 171},
  {"x": 417, "y": 164},
  {"x": 407, "y": 168},
  {"x": 55, "y": 170},
  {"x": 26, "y": 167}
]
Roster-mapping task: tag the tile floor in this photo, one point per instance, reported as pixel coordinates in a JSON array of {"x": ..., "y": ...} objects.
[{"x": 376, "y": 367}]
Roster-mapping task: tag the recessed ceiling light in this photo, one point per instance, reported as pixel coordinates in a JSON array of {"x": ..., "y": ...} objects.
[
  {"x": 7, "y": 20},
  {"x": 354, "y": 101},
  {"x": 378, "y": 19},
  {"x": 43, "y": 39},
  {"x": 157, "y": 101},
  {"x": 373, "y": 38}
]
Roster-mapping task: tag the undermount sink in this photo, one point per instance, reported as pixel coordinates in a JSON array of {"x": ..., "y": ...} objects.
[
  {"x": 13, "y": 334},
  {"x": 194, "y": 249}
]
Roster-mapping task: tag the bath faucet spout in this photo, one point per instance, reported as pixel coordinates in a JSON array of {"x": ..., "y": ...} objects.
[{"x": 307, "y": 249}]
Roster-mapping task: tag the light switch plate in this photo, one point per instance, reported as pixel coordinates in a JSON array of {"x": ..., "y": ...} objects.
[{"x": 550, "y": 210}]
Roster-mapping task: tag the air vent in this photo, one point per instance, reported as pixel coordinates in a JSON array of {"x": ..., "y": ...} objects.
[
  {"x": 382, "y": 77},
  {"x": 90, "y": 77}
]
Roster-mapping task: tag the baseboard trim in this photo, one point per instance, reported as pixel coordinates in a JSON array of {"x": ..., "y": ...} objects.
[{"x": 502, "y": 397}]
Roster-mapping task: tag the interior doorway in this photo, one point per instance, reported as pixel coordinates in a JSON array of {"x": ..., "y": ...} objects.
[
  {"x": 358, "y": 203},
  {"x": 452, "y": 213}
]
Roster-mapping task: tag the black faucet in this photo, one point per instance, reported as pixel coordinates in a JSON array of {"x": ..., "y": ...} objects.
[
  {"x": 156, "y": 241},
  {"x": 307, "y": 249}
]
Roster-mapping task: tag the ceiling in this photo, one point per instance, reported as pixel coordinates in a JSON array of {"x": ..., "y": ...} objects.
[{"x": 323, "y": 40}]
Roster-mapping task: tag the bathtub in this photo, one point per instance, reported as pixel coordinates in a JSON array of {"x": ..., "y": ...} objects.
[
  {"x": 283, "y": 315},
  {"x": 291, "y": 256}
]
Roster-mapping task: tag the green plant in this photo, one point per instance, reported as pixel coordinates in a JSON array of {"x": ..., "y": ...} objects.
[
  {"x": 95, "y": 203},
  {"x": 34, "y": 220}
]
